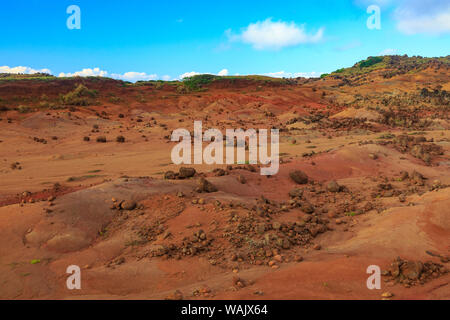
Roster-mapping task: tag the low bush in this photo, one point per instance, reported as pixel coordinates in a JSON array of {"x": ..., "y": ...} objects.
[{"x": 80, "y": 96}]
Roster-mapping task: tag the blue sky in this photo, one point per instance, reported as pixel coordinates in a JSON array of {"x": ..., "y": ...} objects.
[{"x": 146, "y": 39}]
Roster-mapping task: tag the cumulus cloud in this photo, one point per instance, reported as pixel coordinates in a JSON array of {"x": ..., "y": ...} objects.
[
  {"x": 223, "y": 72},
  {"x": 427, "y": 17},
  {"x": 416, "y": 16},
  {"x": 134, "y": 76},
  {"x": 188, "y": 74},
  {"x": 88, "y": 72},
  {"x": 284, "y": 74},
  {"x": 388, "y": 52},
  {"x": 268, "y": 34},
  {"x": 131, "y": 76},
  {"x": 21, "y": 69}
]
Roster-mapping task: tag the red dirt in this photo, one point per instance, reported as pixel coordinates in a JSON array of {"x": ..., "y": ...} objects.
[{"x": 141, "y": 253}]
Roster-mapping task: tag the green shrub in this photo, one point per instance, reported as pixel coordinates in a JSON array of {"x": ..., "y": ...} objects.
[
  {"x": 370, "y": 62},
  {"x": 81, "y": 96},
  {"x": 23, "y": 109},
  {"x": 195, "y": 83}
]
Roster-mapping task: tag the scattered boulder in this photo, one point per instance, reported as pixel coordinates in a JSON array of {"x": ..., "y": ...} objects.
[
  {"x": 128, "y": 205},
  {"x": 101, "y": 139},
  {"x": 205, "y": 186},
  {"x": 170, "y": 175},
  {"x": 299, "y": 177},
  {"x": 177, "y": 295},
  {"x": 307, "y": 207},
  {"x": 410, "y": 272},
  {"x": 296, "y": 193},
  {"x": 333, "y": 186},
  {"x": 238, "y": 282},
  {"x": 185, "y": 173},
  {"x": 412, "y": 269},
  {"x": 218, "y": 172},
  {"x": 404, "y": 175},
  {"x": 417, "y": 178},
  {"x": 241, "y": 179}
]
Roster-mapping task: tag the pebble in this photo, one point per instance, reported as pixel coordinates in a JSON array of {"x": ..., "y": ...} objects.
[{"x": 387, "y": 294}]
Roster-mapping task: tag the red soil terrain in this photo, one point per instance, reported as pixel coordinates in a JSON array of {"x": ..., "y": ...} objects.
[{"x": 363, "y": 181}]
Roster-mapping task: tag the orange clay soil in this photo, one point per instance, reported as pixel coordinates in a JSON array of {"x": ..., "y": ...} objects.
[{"x": 61, "y": 197}]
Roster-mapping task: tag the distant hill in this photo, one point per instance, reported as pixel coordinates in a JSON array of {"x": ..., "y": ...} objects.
[{"x": 393, "y": 65}]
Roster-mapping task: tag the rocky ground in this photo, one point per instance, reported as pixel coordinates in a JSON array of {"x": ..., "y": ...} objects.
[{"x": 364, "y": 180}]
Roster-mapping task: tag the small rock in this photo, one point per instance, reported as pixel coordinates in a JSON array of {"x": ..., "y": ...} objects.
[
  {"x": 286, "y": 244},
  {"x": 205, "y": 186},
  {"x": 307, "y": 207},
  {"x": 299, "y": 177},
  {"x": 170, "y": 175},
  {"x": 296, "y": 193},
  {"x": 241, "y": 179},
  {"x": 101, "y": 139},
  {"x": 333, "y": 186},
  {"x": 177, "y": 295},
  {"x": 185, "y": 173},
  {"x": 128, "y": 205},
  {"x": 260, "y": 228},
  {"x": 412, "y": 270},
  {"x": 387, "y": 294}
]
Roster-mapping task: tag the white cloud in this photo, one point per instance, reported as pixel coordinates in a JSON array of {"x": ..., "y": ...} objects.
[
  {"x": 268, "y": 34},
  {"x": 388, "y": 52},
  {"x": 426, "y": 17},
  {"x": 284, "y": 74},
  {"x": 223, "y": 72},
  {"x": 88, "y": 72},
  {"x": 134, "y": 76},
  {"x": 21, "y": 69},
  {"x": 166, "y": 78},
  {"x": 188, "y": 74},
  {"x": 131, "y": 76}
]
